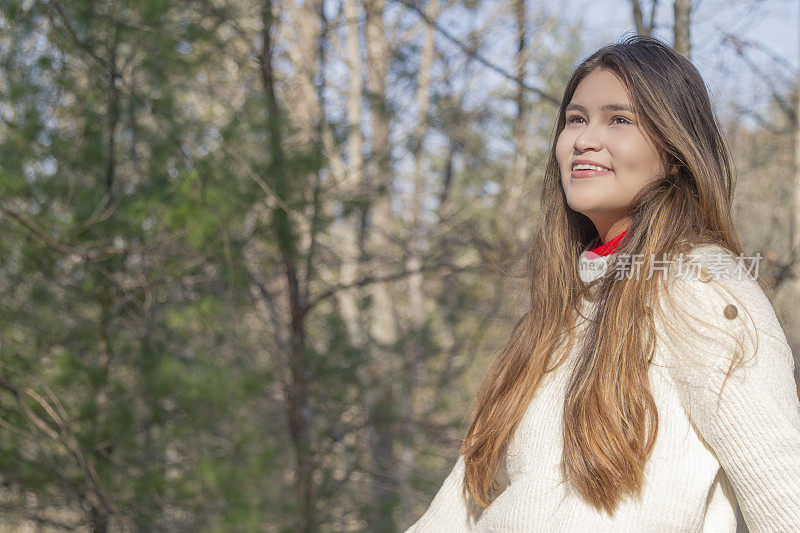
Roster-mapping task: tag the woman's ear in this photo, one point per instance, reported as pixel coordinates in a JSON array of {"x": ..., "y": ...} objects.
[
  {"x": 670, "y": 165},
  {"x": 673, "y": 169}
]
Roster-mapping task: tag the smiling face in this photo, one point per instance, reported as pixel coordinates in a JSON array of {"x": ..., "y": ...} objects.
[{"x": 602, "y": 128}]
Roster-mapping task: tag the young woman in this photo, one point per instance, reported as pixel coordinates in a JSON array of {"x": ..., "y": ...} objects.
[{"x": 649, "y": 387}]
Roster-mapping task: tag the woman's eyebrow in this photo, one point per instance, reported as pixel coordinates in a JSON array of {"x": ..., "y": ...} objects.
[{"x": 607, "y": 107}]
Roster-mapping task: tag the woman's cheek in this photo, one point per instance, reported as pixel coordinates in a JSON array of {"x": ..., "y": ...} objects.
[{"x": 562, "y": 150}]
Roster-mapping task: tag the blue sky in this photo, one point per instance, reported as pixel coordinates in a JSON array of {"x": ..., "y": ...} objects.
[{"x": 774, "y": 24}]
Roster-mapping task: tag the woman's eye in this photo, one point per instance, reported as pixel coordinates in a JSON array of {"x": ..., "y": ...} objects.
[{"x": 573, "y": 120}]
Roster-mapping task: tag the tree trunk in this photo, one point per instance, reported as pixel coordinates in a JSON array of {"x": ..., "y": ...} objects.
[
  {"x": 416, "y": 294},
  {"x": 384, "y": 366},
  {"x": 519, "y": 171},
  {"x": 296, "y": 389},
  {"x": 682, "y": 24},
  {"x": 795, "y": 255},
  {"x": 642, "y": 27}
]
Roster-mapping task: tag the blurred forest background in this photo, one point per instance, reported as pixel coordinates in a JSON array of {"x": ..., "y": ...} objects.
[{"x": 256, "y": 256}]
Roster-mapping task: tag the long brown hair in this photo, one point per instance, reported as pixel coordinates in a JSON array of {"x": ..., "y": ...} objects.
[{"x": 610, "y": 418}]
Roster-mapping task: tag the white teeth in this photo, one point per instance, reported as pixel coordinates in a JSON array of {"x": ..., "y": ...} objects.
[{"x": 588, "y": 167}]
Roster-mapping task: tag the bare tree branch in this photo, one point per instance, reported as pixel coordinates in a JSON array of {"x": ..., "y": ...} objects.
[{"x": 471, "y": 52}]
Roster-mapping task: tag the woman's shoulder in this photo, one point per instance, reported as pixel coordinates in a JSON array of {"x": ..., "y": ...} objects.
[
  {"x": 716, "y": 317},
  {"x": 713, "y": 267},
  {"x": 723, "y": 288},
  {"x": 714, "y": 259}
]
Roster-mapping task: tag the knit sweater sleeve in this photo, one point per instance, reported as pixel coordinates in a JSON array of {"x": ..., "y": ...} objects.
[
  {"x": 751, "y": 420},
  {"x": 448, "y": 510}
]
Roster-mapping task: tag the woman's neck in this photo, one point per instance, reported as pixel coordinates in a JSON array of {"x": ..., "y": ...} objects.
[{"x": 611, "y": 245}]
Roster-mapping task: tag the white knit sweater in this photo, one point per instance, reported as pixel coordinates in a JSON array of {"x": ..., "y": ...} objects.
[{"x": 714, "y": 468}]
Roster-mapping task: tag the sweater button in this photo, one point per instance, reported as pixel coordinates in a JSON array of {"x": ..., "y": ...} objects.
[
  {"x": 730, "y": 311},
  {"x": 704, "y": 275}
]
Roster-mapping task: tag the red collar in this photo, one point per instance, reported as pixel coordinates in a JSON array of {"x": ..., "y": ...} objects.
[{"x": 610, "y": 246}]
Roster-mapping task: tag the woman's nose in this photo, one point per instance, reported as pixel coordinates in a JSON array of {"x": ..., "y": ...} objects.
[{"x": 587, "y": 140}]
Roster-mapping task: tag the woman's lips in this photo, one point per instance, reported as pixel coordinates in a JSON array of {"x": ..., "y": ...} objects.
[{"x": 589, "y": 173}]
